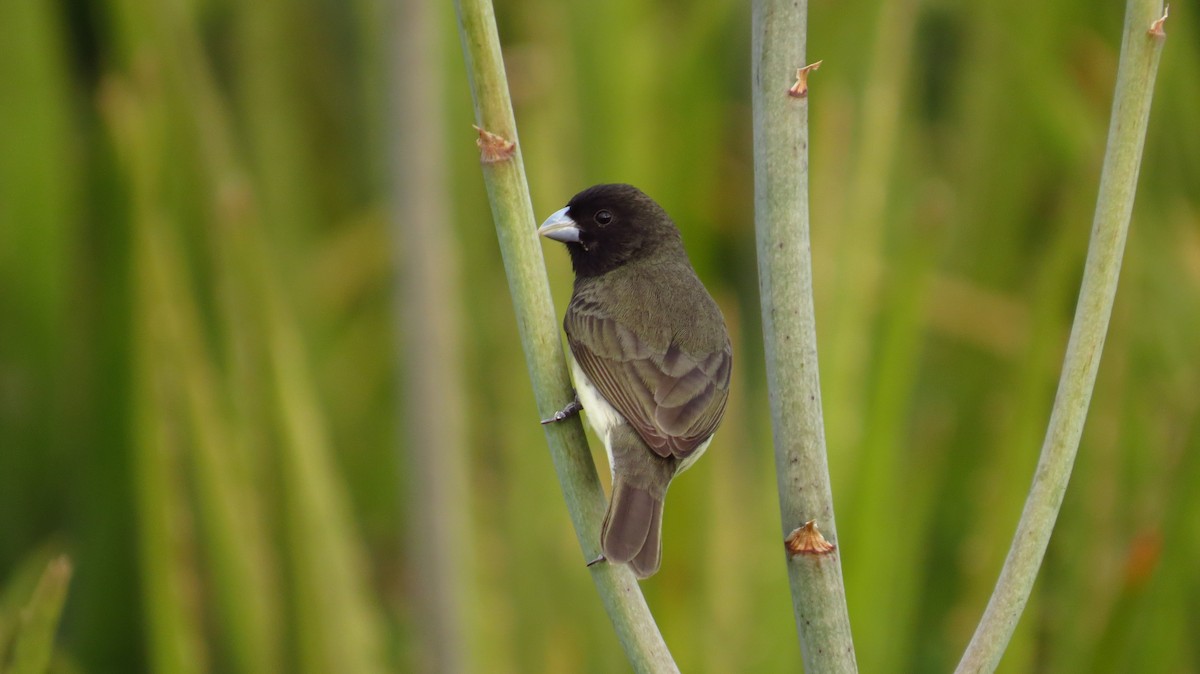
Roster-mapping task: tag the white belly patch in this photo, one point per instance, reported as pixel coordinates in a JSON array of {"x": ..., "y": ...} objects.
[{"x": 601, "y": 416}]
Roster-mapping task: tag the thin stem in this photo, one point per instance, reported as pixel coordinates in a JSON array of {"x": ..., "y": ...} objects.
[
  {"x": 504, "y": 175},
  {"x": 789, "y": 330},
  {"x": 1140, "y": 51}
]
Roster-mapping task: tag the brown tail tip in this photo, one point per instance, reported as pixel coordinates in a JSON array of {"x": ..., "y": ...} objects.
[{"x": 632, "y": 530}]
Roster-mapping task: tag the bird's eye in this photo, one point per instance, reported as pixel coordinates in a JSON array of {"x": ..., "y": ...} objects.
[{"x": 603, "y": 217}]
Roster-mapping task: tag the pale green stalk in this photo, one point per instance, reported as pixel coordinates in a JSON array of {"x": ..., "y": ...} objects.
[
  {"x": 789, "y": 330},
  {"x": 1140, "y": 51},
  {"x": 504, "y": 175}
]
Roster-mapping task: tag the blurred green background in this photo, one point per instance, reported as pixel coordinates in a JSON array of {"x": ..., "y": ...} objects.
[{"x": 252, "y": 300}]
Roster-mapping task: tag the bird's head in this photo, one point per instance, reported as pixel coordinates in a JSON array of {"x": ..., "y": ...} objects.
[{"x": 606, "y": 226}]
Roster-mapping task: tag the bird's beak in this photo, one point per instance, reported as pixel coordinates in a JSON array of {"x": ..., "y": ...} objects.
[{"x": 560, "y": 227}]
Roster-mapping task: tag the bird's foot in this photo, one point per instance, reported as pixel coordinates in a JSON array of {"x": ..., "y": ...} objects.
[
  {"x": 572, "y": 408},
  {"x": 597, "y": 560}
]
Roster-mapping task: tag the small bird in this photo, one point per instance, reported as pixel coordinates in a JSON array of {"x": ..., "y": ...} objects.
[{"x": 651, "y": 357}]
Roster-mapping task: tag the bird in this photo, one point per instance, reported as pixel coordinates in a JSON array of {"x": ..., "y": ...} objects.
[{"x": 650, "y": 357}]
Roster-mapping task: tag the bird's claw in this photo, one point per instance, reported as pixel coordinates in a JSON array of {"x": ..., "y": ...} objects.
[
  {"x": 571, "y": 409},
  {"x": 597, "y": 560}
]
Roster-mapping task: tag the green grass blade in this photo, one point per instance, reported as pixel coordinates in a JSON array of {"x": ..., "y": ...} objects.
[{"x": 33, "y": 644}]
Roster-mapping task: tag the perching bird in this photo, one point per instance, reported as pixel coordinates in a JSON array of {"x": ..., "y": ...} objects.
[{"x": 651, "y": 357}]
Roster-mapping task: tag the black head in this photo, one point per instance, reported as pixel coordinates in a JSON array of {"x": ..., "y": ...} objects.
[{"x": 606, "y": 226}]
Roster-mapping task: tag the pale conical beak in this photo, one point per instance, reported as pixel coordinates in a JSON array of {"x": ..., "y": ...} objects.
[{"x": 560, "y": 227}]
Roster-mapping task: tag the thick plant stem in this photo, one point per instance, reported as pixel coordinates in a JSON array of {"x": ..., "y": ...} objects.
[
  {"x": 504, "y": 175},
  {"x": 1140, "y": 51},
  {"x": 789, "y": 330}
]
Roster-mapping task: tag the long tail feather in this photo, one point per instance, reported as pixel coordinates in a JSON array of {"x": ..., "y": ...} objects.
[{"x": 632, "y": 530}]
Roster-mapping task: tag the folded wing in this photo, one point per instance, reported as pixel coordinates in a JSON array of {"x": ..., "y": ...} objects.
[{"x": 673, "y": 398}]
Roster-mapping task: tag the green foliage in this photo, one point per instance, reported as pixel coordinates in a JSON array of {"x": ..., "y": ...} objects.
[
  {"x": 196, "y": 365},
  {"x": 30, "y": 607}
]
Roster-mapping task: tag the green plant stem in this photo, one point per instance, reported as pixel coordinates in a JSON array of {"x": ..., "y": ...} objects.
[
  {"x": 536, "y": 320},
  {"x": 789, "y": 330},
  {"x": 1140, "y": 52},
  {"x": 173, "y": 639},
  {"x": 230, "y": 518}
]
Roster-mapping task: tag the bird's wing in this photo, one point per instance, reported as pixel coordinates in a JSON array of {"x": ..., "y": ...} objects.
[{"x": 673, "y": 398}]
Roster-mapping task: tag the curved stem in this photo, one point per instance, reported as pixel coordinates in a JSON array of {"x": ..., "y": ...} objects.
[
  {"x": 504, "y": 175},
  {"x": 1140, "y": 51}
]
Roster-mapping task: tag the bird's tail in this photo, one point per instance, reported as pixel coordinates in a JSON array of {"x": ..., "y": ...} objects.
[{"x": 632, "y": 530}]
